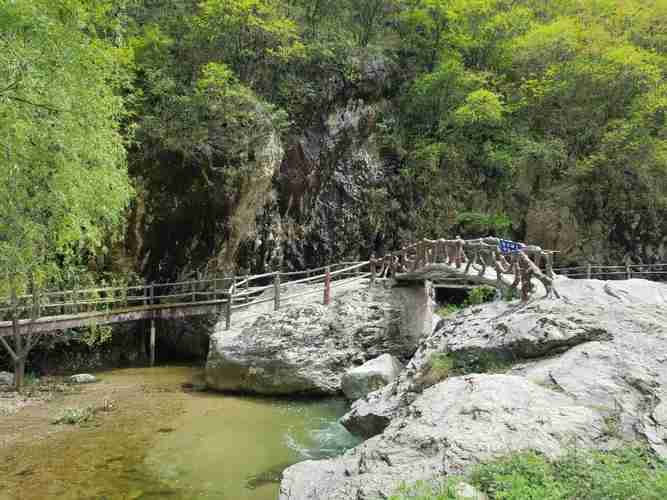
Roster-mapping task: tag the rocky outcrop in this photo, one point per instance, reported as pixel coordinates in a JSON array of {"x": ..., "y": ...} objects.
[
  {"x": 359, "y": 381},
  {"x": 305, "y": 348},
  {"x": 331, "y": 192},
  {"x": 587, "y": 370}
]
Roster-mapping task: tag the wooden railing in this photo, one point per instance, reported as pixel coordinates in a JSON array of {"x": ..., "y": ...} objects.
[
  {"x": 655, "y": 272},
  {"x": 472, "y": 259},
  {"x": 477, "y": 261},
  {"x": 218, "y": 294}
]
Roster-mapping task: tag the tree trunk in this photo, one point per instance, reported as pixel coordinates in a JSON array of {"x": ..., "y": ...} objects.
[{"x": 19, "y": 373}]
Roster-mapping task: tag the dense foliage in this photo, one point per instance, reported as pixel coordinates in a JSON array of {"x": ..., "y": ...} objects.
[
  {"x": 620, "y": 474},
  {"x": 538, "y": 120}
]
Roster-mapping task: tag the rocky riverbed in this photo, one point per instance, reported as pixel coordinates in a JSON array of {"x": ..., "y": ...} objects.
[{"x": 586, "y": 370}]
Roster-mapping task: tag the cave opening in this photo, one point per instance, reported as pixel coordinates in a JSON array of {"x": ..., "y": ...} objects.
[{"x": 450, "y": 295}]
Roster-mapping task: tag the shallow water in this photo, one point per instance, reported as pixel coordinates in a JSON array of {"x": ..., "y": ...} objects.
[{"x": 166, "y": 443}]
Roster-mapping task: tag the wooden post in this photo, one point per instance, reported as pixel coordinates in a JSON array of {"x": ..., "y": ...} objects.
[
  {"x": 216, "y": 295},
  {"x": 152, "y": 326},
  {"x": 152, "y": 342},
  {"x": 550, "y": 265},
  {"x": 230, "y": 300},
  {"x": 459, "y": 252},
  {"x": 327, "y": 286},
  {"x": 372, "y": 264},
  {"x": 276, "y": 291},
  {"x": 628, "y": 271},
  {"x": 589, "y": 271}
]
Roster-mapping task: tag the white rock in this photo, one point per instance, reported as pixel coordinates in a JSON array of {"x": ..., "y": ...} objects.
[
  {"x": 305, "y": 348},
  {"x": 6, "y": 378},
  {"x": 371, "y": 376},
  {"x": 83, "y": 378},
  {"x": 585, "y": 371}
]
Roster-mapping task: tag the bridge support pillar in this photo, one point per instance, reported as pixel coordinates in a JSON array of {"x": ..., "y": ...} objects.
[{"x": 152, "y": 342}]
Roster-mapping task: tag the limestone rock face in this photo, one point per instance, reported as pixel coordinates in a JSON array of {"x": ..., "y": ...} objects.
[
  {"x": 587, "y": 370},
  {"x": 369, "y": 377},
  {"x": 305, "y": 348},
  {"x": 6, "y": 378}
]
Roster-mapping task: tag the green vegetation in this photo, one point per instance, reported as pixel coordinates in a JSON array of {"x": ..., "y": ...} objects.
[
  {"x": 63, "y": 184},
  {"x": 443, "y": 365},
  {"x": 480, "y": 295},
  {"x": 447, "y": 310},
  {"x": 477, "y": 296},
  {"x": 438, "y": 367},
  {"x": 75, "y": 416},
  {"x": 620, "y": 474},
  {"x": 143, "y": 138}
]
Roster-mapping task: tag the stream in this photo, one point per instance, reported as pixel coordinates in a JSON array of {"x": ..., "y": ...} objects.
[{"x": 162, "y": 441}]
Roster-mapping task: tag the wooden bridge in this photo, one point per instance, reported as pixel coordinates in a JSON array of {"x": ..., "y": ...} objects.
[{"x": 455, "y": 263}]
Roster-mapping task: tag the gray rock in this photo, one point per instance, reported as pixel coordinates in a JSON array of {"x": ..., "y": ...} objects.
[
  {"x": 465, "y": 491},
  {"x": 6, "y": 378},
  {"x": 83, "y": 378},
  {"x": 451, "y": 426},
  {"x": 369, "y": 377},
  {"x": 587, "y": 370},
  {"x": 306, "y": 348},
  {"x": 499, "y": 334}
]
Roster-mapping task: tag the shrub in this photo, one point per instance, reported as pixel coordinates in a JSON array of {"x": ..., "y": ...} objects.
[
  {"x": 480, "y": 295},
  {"x": 75, "y": 416}
]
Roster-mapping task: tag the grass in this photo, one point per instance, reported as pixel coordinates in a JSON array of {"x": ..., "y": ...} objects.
[
  {"x": 447, "y": 310},
  {"x": 441, "y": 366},
  {"x": 628, "y": 473}
]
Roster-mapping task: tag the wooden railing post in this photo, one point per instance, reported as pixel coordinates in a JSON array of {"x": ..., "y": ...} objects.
[
  {"x": 550, "y": 265},
  {"x": 276, "y": 291},
  {"x": 327, "y": 286},
  {"x": 152, "y": 342},
  {"x": 628, "y": 271},
  {"x": 230, "y": 301},
  {"x": 152, "y": 332},
  {"x": 589, "y": 271},
  {"x": 372, "y": 264}
]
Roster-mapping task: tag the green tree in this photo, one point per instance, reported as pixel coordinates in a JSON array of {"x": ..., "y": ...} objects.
[{"x": 63, "y": 182}]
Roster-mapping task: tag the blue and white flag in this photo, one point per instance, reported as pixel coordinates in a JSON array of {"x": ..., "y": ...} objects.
[{"x": 509, "y": 247}]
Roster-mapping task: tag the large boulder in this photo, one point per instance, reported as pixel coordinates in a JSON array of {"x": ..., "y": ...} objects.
[
  {"x": 494, "y": 336},
  {"x": 305, "y": 348},
  {"x": 451, "y": 426},
  {"x": 82, "y": 378},
  {"x": 586, "y": 370},
  {"x": 369, "y": 377}
]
